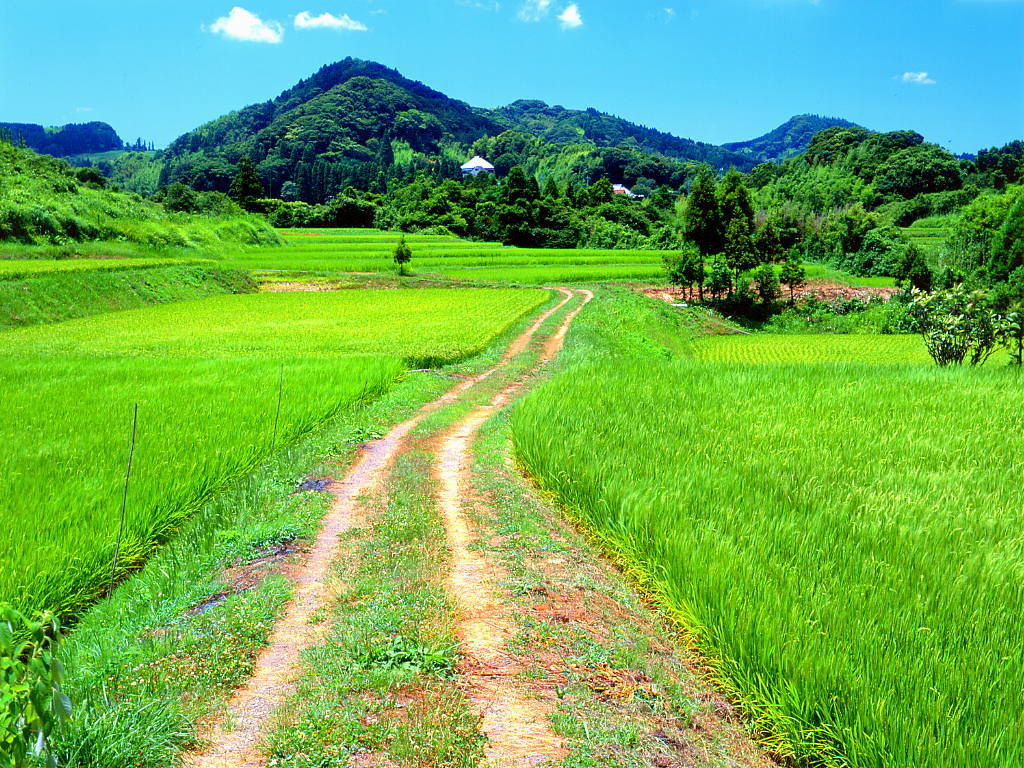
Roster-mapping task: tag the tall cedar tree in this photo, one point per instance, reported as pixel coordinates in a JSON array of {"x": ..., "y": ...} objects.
[{"x": 702, "y": 221}]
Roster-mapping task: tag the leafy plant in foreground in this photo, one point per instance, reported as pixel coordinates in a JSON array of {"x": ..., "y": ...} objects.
[{"x": 31, "y": 701}]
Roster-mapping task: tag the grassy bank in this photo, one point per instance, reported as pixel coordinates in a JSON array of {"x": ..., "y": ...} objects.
[{"x": 54, "y": 297}]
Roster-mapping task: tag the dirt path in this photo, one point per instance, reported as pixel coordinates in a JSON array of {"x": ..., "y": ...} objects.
[
  {"x": 235, "y": 742},
  {"x": 515, "y": 723}
]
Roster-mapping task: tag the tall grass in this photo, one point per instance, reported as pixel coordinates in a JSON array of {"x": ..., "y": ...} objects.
[
  {"x": 65, "y": 425},
  {"x": 843, "y": 539}
]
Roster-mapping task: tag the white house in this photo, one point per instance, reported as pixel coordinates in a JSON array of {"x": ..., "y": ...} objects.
[
  {"x": 622, "y": 189},
  {"x": 476, "y": 166}
]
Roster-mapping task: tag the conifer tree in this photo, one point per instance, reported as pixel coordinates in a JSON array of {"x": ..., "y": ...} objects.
[{"x": 702, "y": 223}]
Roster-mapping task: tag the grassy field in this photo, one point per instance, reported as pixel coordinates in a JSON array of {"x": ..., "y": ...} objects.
[
  {"x": 206, "y": 375},
  {"x": 842, "y": 539},
  {"x": 423, "y": 327},
  {"x": 364, "y": 250}
]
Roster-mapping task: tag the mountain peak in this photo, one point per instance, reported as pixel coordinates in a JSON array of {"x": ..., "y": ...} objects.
[{"x": 789, "y": 139}]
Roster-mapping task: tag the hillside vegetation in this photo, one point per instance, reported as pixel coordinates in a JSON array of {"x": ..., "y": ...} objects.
[{"x": 44, "y": 200}]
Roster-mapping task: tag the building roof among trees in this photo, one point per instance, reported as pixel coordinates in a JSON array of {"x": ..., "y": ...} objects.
[{"x": 477, "y": 162}]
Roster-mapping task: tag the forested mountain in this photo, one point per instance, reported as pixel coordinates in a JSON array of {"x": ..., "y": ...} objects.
[
  {"x": 556, "y": 124},
  {"x": 64, "y": 140},
  {"x": 356, "y": 123},
  {"x": 791, "y": 138},
  {"x": 334, "y": 128}
]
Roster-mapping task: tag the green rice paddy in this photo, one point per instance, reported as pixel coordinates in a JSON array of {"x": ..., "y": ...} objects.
[
  {"x": 842, "y": 539},
  {"x": 206, "y": 376}
]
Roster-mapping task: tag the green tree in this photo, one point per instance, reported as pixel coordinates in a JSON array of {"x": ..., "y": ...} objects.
[
  {"x": 1008, "y": 244},
  {"x": 739, "y": 247},
  {"x": 702, "y": 221},
  {"x": 719, "y": 279},
  {"x": 956, "y": 325},
  {"x": 734, "y": 200},
  {"x": 686, "y": 268},
  {"x": 912, "y": 269},
  {"x": 793, "y": 276},
  {"x": 600, "y": 192},
  {"x": 403, "y": 255},
  {"x": 766, "y": 282},
  {"x": 768, "y": 243},
  {"x": 246, "y": 186}
]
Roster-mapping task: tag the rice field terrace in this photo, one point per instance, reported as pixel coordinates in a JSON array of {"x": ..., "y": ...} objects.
[
  {"x": 836, "y": 522},
  {"x": 362, "y": 250},
  {"x": 929, "y": 234},
  {"x": 206, "y": 376},
  {"x": 16, "y": 269}
]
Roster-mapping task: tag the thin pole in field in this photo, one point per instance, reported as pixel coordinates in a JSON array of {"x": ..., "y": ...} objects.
[
  {"x": 124, "y": 498},
  {"x": 277, "y": 415}
]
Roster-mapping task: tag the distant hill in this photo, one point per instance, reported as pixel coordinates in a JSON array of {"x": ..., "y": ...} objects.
[
  {"x": 557, "y": 124},
  {"x": 65, "y": 140},
  {"x": 789, "y": 139},
  {"x": 343, "y": 116}
]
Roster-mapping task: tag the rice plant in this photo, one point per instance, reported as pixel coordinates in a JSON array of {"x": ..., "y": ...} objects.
[{"x": 842, "y": 541}]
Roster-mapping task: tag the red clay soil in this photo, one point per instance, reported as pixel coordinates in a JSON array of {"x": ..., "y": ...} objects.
[{"x": 821, "y": 289}]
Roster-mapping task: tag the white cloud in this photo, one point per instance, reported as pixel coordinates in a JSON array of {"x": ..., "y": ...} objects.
[
  {"x": 570, "y": 17},
  {"x": 534, "y": 10},
  {"x": 84, "y": 109},
  {"x": 917, "y": 78},
  {"x": 244, "y": 25},
  {"x": 328, "y": 21},
  {"x": 669, "y": 12}
]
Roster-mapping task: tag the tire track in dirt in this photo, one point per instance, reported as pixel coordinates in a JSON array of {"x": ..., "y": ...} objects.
[
  {"x": 236, "y": 741},
  {"x": 516, "y": 725}
]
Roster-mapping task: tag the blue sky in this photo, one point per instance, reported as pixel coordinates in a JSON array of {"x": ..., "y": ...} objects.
[{"x": 712, "y": 70}]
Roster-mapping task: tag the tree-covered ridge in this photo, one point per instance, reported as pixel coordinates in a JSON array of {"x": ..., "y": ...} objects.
[
  {"x": 556, "y": 124},
  {"x": 64, "y": 140},
  {"x": 791, "y": 138}
]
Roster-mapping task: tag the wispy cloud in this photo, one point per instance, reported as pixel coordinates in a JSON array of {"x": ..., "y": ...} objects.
[
  {"x": 917, "y": 78},
  {"x": 306, "y": 20},
  {"x": 570, "y": 17},
  {"x": 483, "y": 5},
  {"x": 534, "y": 10},
  {"x": 246, "y": 26},
  {"x": 84, "y": 109}
]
